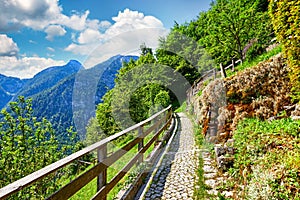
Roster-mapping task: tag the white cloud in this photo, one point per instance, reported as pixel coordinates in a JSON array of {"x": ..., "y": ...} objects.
[
  {"x": 89, "y": 36},
  {"x": 81, "y": 49},
  {"x": 131, "y": 20},
  {"x": 40, "y": 14},
  {"x": 131, "y": 28},
  {"x": 36, "y": 14},
  {"x": 53, "y": 31},
  {"x": 25, "y": 67},
  {"x": 76, "y": 21},
  {"x": 32, "y": 42},
  {"x": 8, "y": 47},
  {"x": 50, "y": 49},
  {"x": 127, "y": 43}
]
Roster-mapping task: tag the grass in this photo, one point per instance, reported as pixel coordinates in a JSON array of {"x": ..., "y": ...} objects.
[
  {"x": 248, "y": 64},
  {"x": 90, "y": 189},
  {"x": 182, "y": 108},
  {"x": 200, "y": 187},
  {"x": 267, "y": 159}
]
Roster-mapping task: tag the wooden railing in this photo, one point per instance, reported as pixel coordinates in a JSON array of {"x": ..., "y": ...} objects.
[
  {"x": 156, "y": 124},
  {"x": 208, "y": 74}
]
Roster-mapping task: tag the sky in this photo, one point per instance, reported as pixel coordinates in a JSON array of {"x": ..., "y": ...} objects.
[{"x": 37, "y": 34}]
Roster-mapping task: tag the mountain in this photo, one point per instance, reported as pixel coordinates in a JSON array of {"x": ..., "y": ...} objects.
[
  {"x": 65, "y": 95},
  {"x": 9, "y": 86},
  {"x": 49, "y": 78},
  {"x": 73, "y": 99}
]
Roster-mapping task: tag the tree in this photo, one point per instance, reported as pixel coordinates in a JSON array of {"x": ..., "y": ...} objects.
[
  {"x": 182, "y": 54},
  {"x": 94, "y": 133},
  {"x": 232, "y": 25},
  {"x": 145, "y": 50},
  {"x": 27, "y": 145},
  {"x": 285, "y": 17}
]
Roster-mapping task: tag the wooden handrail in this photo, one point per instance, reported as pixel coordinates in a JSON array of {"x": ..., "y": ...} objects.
[
  {"x": 71, "y": 188},
  {"x": 194, "y": 88}
]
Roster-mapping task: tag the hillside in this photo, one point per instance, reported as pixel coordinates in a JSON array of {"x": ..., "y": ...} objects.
[
  {"x": 76, "y": 96},
  {"x": 249, "y": 119},
  {"x": 9, "y": 86},
  {"x": 49, "y": 78},
  {"x": 53, "y": 95}
]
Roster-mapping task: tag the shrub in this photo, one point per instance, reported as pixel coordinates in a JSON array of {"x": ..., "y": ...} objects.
[{"x": 285, "y": 18}]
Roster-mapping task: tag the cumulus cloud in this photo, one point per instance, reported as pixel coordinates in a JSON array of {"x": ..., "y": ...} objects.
[
  {"x": 127, "y": 43},
  {"x": 36, "y": 14},
  {"x": 42, "y": 14},
  {"x": 11, "y": 64},
  {"x": 25, "y": 67},
  {"x": 53, "y": 31},
  {"x": 130, "y": 20},
  {"x": 89, "y": 36},
  {"x": 131, "y": 28},
  {"x": 8, "y": 47}
]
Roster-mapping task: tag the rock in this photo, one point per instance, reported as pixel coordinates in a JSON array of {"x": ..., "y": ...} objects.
[
  {"x": 209, "y": 169},
  {"x": 227, "y": 194},
  {"x": 210, "y": 175},
  {"x": 224, "y": 162},
  {"x": 220, "y": 150},
  {"x": 212, "y": 183}
]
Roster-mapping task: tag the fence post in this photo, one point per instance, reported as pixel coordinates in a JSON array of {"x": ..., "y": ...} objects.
[
  {"x": 102, "y": 177},
  {"x": 233, "y": 63},
  {"x": 223, "y": 72},
  {"x": 141, "y": 143},
  {"x": 215, "y": 73}
]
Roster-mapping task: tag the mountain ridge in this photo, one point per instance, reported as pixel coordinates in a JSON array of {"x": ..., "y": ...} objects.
[{"x": 52, "y": 91}]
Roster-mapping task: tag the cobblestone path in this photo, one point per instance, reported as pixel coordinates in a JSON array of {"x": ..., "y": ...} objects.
[{"x": 177, "y": 174}]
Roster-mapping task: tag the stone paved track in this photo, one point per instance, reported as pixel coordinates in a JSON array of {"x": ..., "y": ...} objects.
[{"x": 177, "y": 174}]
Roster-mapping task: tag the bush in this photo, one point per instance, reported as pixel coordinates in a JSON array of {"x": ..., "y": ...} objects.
[
  {"x": 267, "y": 158},
  {"x": 285, "y": 17}
]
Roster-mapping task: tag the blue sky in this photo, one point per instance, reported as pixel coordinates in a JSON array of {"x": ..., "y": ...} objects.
[{"x": 36, "y": 34}]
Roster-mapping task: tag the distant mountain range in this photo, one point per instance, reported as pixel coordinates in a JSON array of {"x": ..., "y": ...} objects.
[{"x": 65, "y": 95}]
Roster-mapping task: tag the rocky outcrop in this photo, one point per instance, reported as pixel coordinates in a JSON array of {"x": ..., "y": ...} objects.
[{"x": 262, "y": 91}]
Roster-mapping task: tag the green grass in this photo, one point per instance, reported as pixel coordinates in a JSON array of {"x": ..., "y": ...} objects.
[
  {"x": 182, "y": 108},
  {"x": 248, "y": 64},
  {"x": 200, "y": 187},
  {"x": 267, "y": 159},
  {"x": 90, "y": 189}
]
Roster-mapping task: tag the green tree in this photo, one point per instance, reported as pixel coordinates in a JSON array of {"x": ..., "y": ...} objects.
[
  {"x": 104, "y": 116},
  {"x": 232, "y": 25},
  {"x": 133, "y": 97},
  {"x": 286, "y": 21},
  {"x": 182, "y": 54},
  {"x": 94, "y": 133},
  {"x": 27, "y": 145}
]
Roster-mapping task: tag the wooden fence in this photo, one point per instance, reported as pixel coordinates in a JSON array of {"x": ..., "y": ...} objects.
[
  {"x": 206, "y": 75},
  {"x": 156, "y": 124}
]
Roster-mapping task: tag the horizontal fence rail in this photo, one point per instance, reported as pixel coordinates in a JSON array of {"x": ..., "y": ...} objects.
[
  {"x": 206, "y": 75},
  {"x": 158, "y": 123}
]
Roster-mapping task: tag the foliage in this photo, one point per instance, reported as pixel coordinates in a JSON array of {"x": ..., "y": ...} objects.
[
  {"x": 261, "y": 91},
  {"x": 253, "y": 62},
  {"x": 94, "y": 133},
  {"x": 231, "y": 29},
  {"x": 182, "y": 108},
  {"x": 267, "y": 166},
  {"x": 285, "y": 17},
  {"x": 27, "y": 145},
  {"x": 140, "y": 91},
  {"x": 184, "y": 55}
]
